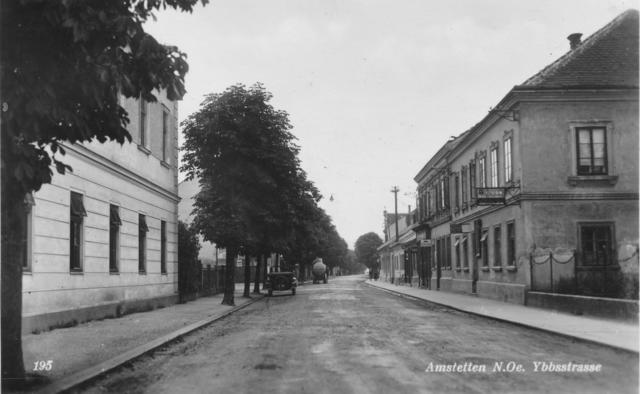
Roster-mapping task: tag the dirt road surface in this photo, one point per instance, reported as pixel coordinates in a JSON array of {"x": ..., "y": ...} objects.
[{"x": 345, "y": 337}]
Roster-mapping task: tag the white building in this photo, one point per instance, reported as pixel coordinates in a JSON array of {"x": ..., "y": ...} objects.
[{"x": 102, "y": 240}]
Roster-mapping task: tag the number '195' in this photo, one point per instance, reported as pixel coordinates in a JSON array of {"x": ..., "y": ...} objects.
[{"x": 42, "y": 365}]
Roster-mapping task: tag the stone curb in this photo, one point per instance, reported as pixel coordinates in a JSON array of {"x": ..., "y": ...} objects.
[
  {"x": 517, "y": 323},
  {"x": 71, "y": 381}
]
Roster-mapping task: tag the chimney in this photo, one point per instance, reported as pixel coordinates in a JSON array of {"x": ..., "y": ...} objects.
[{"x": 574, "y": 40}]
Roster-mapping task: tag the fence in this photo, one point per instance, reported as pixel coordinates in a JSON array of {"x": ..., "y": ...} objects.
[{"x": 565, "y": 280}]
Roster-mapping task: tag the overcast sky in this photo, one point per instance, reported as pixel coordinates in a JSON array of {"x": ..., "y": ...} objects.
[{"x": 374, "y": 88}]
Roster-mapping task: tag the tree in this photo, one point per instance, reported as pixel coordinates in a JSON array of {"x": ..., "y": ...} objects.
[
  {"x": 189, "y": 266},
  {"x": 242, "y": 151},
  {"x": 63, "y": 65},
  {"x": 366, "y": 249}
]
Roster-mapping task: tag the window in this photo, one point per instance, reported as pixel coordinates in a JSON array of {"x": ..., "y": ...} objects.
[
  {"x": 484, "y": 248},
  {"x": 142, "y": 243},
  {"x": 448, "y": 251},
  {"x": 77, "y": 214},
  {"x": 497, "y": 246},
  {"x": 163, "y": 247},
  {"x": 465, "y": 253},
  {"x": 494, "y": 167},
  {"x": 482, "y": 166},
  {"x": 472, "y": 179},
  {"x": 511, "y": 244},
  {"x": 114, "y": 235},
  {"x": 596, "y": 244},
  {"x": 508, "y": 176},
  {"x": 143, "y": 122},
  {"x": 464, "y": 186},
  {"x": 592, "y": 150},
  {"x": 27, "y": 229},
  {"x": 165, "y": 135},
  {"x": 457, "y": 246},
  {"x": 457, "y": 191}
]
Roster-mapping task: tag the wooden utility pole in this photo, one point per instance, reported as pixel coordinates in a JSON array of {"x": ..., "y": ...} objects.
[{"x": 395, "y": 191}]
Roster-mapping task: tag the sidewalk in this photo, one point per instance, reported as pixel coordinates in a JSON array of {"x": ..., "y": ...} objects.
[
  {"x": 81, "y": 352},
  {"x": 606, "y": 332}
]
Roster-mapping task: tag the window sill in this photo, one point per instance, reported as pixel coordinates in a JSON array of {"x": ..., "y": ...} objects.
[
  {"x": 485, "y": 269},
  {"x": 164, "y": 274},
  {"x": 114, "y": 272},
  {"x": 458, "y": 269},
  {"x": 165, "y": 164},
  {"x": 142, "y": 272},
  {"x": 76, "y": 272},
  {"x": 144, "y": 149},
  {"x": 465, "y": 269},
  {"x": 26, "y": 272},
  {"x": 590, "y": 180},
  {"x": 511, "y": 268},
  {"x": 497, "y": 268}
]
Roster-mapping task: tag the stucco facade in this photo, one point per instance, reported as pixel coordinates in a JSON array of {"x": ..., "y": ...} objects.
[
  {"x": 559, "y": 157},
  {"x": 84, "y": 256}
]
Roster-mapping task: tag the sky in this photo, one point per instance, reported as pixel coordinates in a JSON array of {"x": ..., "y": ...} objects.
[{"x": 374, "y": 88}]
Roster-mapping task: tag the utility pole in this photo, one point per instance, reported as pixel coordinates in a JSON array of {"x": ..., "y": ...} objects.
[{"x": 395, "y": 191}]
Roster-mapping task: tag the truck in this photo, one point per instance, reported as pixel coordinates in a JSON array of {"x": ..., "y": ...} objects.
[{"x": 319, "y": 271}]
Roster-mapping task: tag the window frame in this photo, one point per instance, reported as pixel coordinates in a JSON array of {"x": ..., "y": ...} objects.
[
  {"x": 497, "y": 245},
  {"x": 165, "y": 135},
  {"x": 143, "y": 114},
  {"x": 482, "y": 164},
  {"x": 610, "y": 226},
  {"x": 576, "y": 179},
  {"x": 163, "y": 247},
  {"x": 507, "y": 152},
  {"x": 591, "y": 130},
  {"x": 494, "y": 173},
  {"x": 484, "y": 247},
  {"x": 114, "y": 243},
  {"x": 142, "y": 243},
  {"x": 511, "y": 244},
  {"x": 79, "y": 232}
]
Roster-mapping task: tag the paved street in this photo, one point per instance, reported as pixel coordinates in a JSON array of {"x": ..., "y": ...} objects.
[{"x": 346, "y": 337}]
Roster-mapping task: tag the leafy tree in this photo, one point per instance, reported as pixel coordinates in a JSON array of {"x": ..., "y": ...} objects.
[
  {"x": 189, "y": 266},
  {"x": 63, "y": 65},
  {"x": 242, "y": 151},
  {"x": 366, "y": 249}
]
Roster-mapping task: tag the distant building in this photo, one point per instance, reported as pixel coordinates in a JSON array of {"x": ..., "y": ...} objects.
[
  {"x": 102, "y": 240},
  {"x": 540, "y": 197},
  {"x": 398, "y": 255},
  {"x": 209, "y": 254}
]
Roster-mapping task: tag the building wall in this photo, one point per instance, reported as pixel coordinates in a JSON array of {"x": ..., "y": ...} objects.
[
  {"x": 138, "y": 183},
  {"x": 548, "y": 125},
  {"x": 208, "y": 254}
]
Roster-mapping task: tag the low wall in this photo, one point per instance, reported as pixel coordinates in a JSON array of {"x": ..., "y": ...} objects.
[
  {"x": 500, "y": 291},
  {"x": 71, "y": 317},
  {"x": 584, "y": 305}
]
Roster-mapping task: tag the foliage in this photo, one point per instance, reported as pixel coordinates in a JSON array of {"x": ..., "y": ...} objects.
[
  {"x": 63, "y": 66},
  {"x": 251, "y": 184},
  {"x": 64, "y": 63},
  {"x": 366, "y": 249}
]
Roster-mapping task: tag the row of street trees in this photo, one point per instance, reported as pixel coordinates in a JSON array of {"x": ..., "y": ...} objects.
[{"x": 254, "y": 196}]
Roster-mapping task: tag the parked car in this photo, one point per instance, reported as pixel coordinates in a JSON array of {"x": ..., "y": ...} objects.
[{"x": 281, "y": 281}]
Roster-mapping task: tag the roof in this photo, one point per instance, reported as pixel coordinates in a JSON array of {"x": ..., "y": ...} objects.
[{"x": 609, "y": 57}]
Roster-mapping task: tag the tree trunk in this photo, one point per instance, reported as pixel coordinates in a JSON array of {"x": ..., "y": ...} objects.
[
  {"x": 256, "y": 284},
  {"x": 13, "y": 208},
  {"x": 247, "y": 277},
  {"x": 230, "y": 280},
  {"x": 264, "y": 271}
]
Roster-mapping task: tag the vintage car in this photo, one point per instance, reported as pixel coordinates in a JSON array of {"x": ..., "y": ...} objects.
[{"x": 281, "y": 281}]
